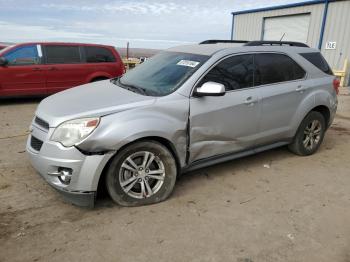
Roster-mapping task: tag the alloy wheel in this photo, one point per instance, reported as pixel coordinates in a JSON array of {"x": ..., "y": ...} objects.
[
  {"x": 312, "y": 134},
  {"x": 141, "y": 174}
]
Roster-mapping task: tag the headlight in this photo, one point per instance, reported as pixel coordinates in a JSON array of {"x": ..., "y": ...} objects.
[{"x": 74, "y": 131}]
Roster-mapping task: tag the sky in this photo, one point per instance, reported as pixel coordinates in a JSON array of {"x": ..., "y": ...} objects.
[{"x": 145, "y": 24}]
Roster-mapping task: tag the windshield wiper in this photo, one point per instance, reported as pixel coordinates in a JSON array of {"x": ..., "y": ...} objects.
[{"x": 129, "y": 87}]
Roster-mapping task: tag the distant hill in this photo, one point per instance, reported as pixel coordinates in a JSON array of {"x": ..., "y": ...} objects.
[
  {"x": 6, "y": 43},
  {"x": 137, "y": 52}
]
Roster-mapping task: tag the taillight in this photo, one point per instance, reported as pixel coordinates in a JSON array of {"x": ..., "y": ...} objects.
[{"x": 336, "y": 84}]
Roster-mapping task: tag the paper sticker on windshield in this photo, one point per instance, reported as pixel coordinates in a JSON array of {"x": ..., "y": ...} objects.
[{"x": 188, "y": 63}]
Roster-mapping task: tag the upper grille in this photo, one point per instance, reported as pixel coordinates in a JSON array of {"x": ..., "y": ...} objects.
[
  {"x": 36, "y": 143},
  {"x": 41, "y": 123}
]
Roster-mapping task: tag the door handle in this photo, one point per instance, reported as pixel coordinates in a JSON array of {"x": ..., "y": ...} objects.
[
  {"x": 52, "y": 68},
  {"x": 37, "y": 69},
  {"x": 250, "y": 101},
  {"x": 300, "y": 88}
]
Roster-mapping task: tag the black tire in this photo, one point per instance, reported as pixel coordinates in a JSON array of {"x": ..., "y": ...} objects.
[
  {"x": 297, "y": 146},
  {"x": 116, "y": 172}
]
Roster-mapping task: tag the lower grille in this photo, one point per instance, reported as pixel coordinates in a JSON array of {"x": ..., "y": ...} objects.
[{"x": 36, "y": 143}]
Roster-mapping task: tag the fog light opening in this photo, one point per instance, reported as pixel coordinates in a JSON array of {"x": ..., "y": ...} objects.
[{"x": 65, "y": 175}]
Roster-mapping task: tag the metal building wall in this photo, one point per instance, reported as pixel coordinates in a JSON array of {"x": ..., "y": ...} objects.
[
  {"x": 337, "y": 30},
  {"x": 249, "y": 26}
]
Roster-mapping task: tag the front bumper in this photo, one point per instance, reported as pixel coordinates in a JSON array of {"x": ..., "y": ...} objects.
[
  {"x": 85, "y": 169},
  {"x": 82, "y": 199}
]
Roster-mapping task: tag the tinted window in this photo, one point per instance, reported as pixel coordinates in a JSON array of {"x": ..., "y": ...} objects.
[
  {"x": 24, "y": 55},
  {"x": 98, "y": 55},
  {"x": 62, "y": 54},
  {"x": 275, "y": 68},
  {"x": 317, "y": 60},
  {"x": 234, "y": 73}
]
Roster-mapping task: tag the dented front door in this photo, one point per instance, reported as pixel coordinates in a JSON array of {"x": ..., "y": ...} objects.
[{"x": 226, "y": 124}]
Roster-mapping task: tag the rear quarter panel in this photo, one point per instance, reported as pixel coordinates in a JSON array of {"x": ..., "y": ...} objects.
[
  {"x": 107, "y": 70},
  {"x": 320, "y": 92},
  {"x": 101, "y": 70}
]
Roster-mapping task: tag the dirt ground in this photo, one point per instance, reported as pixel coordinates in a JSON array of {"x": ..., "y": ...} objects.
[{"x": 293, "y": 209}]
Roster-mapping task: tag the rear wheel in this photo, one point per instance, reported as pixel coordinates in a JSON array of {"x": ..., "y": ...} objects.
[
  {"x": 309, "y": 135},
  {"x": 142, "y": 173}
]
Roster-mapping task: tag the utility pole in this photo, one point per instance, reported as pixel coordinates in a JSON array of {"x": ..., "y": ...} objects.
[{"x": 127, "y": 50}]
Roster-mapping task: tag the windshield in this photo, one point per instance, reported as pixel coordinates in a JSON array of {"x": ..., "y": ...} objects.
[{"x": 162, "y": 74}]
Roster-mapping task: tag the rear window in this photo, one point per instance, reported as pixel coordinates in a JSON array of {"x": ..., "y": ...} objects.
[
  {"x": 62, "y": 54},
  {"x": 98, "y": 55},
  {"x": 317, "y": 60},
  {"x": 276, "y": 68}
]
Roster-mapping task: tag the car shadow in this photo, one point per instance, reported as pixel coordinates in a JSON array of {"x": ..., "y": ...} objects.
[
  {"x": 249, "y": 164},
  {"x": 188, "y": 181},
  {"x": 20, "y": 100}
]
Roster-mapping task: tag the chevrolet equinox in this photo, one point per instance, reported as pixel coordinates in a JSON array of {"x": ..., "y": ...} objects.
[{"x": 186, "y": 108}]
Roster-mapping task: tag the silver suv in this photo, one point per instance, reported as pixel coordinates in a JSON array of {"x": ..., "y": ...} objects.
[{"x": 186, "y": 108}]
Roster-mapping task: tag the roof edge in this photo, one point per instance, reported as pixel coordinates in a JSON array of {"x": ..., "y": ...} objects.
[{"x": 277, "y": 7}]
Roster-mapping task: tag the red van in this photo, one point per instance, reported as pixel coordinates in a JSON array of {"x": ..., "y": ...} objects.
[
  {"x": 46, "y": 68},
  {"x": 2, "y": 46}
]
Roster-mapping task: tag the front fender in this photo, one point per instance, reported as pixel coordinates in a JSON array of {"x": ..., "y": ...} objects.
[{"x": 117, "y": 130}]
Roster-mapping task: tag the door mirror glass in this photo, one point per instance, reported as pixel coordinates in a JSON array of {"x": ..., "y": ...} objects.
[
  {"x": 3, "y": 61},
  {"x": 210, "y": 89}
]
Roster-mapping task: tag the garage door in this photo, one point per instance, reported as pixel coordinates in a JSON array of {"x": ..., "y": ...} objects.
[{"x": 294, "y": 27}]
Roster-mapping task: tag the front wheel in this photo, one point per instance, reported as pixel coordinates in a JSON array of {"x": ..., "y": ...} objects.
[
  {"x": 142, "y": 173},
  {"x": 309, "y": 135}
]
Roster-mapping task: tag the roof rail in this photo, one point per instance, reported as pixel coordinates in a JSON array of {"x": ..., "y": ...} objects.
[
  {"x": 260, "y": 43},
  {"x": 215, "y": 41}
]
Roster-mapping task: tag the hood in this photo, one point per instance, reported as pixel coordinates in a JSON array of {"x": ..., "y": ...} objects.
[{"x": 90, "y": 100}]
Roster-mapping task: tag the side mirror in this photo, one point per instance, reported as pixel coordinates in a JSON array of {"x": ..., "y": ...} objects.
[
  {"x": 3, "y": 61},
  {"x": 210, "y": 89}
]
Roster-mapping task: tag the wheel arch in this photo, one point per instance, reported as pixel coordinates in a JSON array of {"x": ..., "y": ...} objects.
[
  {"x": 321, "y": 108},
  {"x": 98, "y": 75},
  {"x": 165, "y": 142},
  {"x": 324, "y": 111},
  {"x": 98, "y": 78}
]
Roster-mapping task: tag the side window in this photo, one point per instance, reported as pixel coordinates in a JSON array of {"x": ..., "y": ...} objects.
[
  {"x": 24, "y": 55},
  {"x": 235, "y": 72},
  {"x": 98, "y": 55},
  {"x": 317, "y": 60},
  {"x": 276, "y": 68},
  {"x": 56, "y": 54}
]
